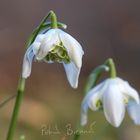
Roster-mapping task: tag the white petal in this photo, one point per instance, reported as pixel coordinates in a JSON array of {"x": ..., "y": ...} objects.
[
  {"x": 129, "y": 91},
  {"x": 93, "y": 92},
  {"x": 36, "y": 47},
  {"x": 27, "y": 62},
  {"x": 113, "y": 105},
  {"x": 72, "y": 73},
  {"x": 89, "y": 98},
  {"x": 95, "y": 95},
  {"x": 49, "y": 41},
  {"x": 75, "y": 50},
  {"x": 84, "y": 118},
  {"x": 134, "y": 111},
  {"x": 39, "y": 37}
]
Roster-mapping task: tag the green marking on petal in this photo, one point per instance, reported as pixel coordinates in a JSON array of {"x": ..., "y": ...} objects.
[
  {"x": 99, "y": 104},
  {"x": 126, "y": 101},
  {"x": 58, "y": 54}
]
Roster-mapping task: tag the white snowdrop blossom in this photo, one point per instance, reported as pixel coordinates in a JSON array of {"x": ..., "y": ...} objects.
[
  {"x": 112, "y": 96},
  {"x": 55, "y": 45}
]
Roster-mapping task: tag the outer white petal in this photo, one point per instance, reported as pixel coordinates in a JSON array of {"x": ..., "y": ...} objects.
[
  {"x": 89, "y": 98},
  {"x": 48, "y": 42},
  {"x": 39, "y": 38},
  {"x": 36, "y": 47},
  {"x": 84, "y": 117},
  {"x": 75, "y": 50},
  {"x": 72, "y": 73},
  {"x": 27, "y": 62},
  {"x": 134, "y": 111},
  {"x": 113, "y": 104},
  {"x": 128, "y": 90},
  {"x": 96, "y": 95}
]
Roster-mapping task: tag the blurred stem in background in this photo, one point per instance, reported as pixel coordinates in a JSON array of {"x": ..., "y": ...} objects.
[
  {"x": 21, "y": 86},
  {"x": 19, "y": 97},
  {"x": 4, "y": 102},
  {"x": 93, "y": 78}
]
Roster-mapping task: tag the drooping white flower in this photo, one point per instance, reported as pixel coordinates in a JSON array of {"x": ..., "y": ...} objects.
[
  {"x": 112, "y": 95},
  {"x": 55, "y": 46}
]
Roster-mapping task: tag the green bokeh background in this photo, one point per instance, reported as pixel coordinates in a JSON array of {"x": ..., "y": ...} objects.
[{"x": 105, "y": 28}]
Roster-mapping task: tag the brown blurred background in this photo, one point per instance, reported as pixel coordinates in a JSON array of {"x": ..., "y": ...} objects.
[{"x": 105, "y": 28}]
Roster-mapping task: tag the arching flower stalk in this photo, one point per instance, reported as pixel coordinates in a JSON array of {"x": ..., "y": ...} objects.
[{"x": 50, "y": 44}]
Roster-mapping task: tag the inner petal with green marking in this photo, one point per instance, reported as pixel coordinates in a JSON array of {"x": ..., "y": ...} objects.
[
  {"x": 58, "y": 54},
  {"x": 126, "y": 99},
  {"x": 99, "y": 104}
]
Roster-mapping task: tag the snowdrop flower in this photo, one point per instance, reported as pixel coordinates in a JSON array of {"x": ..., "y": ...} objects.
[
  {"x": 112, "y": 96},
  {"x": 55, "y": 45}
]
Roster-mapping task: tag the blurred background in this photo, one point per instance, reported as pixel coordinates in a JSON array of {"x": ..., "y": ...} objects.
[{"x": 105, "y": 28}]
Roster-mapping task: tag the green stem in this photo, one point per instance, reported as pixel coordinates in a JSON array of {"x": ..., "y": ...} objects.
[
  {"x": 110, "y": 63},
  {"x": 94, "y": 77},
  {"x": 78, "y": 133},
  {"x": 59, "y": 24},
  {"x": 76, "y": 136},
  {"x": 53, "y": 24},
  {"x": 37, "y": 30},
  {"x": 53, "y": 20},
  {"x": 14, "y": 118}
]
